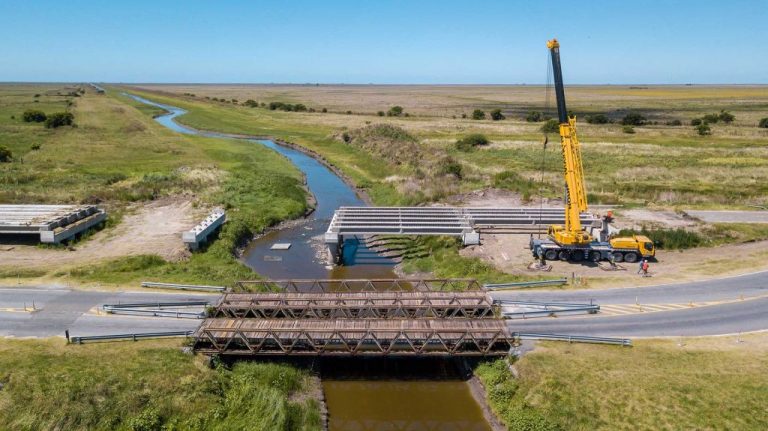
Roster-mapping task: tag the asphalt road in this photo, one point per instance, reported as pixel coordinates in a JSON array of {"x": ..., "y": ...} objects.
[
  {"x": 741, "y": 306},
  {"x": 62, "y": 309},
  {"x": 730, "y": 216},
  {"x": 744, "y": 309},
  {"x": 716, "y": 289}
]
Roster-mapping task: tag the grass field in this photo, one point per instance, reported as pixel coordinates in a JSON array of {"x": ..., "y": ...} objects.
[
  {"x": 660, "y": 165},
  {"x": 152, "y": 385},
  {"x": 118, "y": 155},
  {"x": 704, "y": 383}
]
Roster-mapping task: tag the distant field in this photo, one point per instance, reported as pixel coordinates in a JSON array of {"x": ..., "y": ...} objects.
[
  {"x": 449, "y": 100},
  {"x": 658, "y": 164}
]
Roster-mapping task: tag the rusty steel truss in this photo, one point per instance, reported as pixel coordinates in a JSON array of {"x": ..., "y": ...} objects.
[
  {"x": 356, "y": 337},
  {"x": 361, "y": 285},
  {"x": 360, "y": 305}
]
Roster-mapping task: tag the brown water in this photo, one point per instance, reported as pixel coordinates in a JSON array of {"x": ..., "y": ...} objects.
[
  {"x": 390, "y": 402},
  {"x": 402, "y": 405}
]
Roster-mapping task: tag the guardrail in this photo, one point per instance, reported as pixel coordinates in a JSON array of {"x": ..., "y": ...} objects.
[
  {"x": 156, "y": 313},
  {"x": 151, "y": 284},
  {"x": 549, "y": 312},
  {"x": 158, "y": 304},
  {"x": 134, "y": 337},
  {"x": 520, "y": 284},
  {"x": 143, "y": 309},
  {"x": 571, "y": 338}
]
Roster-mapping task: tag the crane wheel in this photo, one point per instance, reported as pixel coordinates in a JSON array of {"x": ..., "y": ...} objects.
[
  {"x": 550, "y": 255},
  {"x": 630, "y": 257},
  {"x": 564, "y": 255},
  {"x": 595, "y": 256},
  {"x": 618, "y": 257}
]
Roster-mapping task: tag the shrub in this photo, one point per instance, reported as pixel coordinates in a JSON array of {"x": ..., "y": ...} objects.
[
  {"x": 763, "y": 124},
  {"x": 703, "y": 129},
  {"x": 674, "y": 123},
  {"x": 36, "y": 96},
  {"x": 726, "y": 117},
  {"x": 628, "y": 129},
  {"x": 299, "y": 107},
  {"x": 496, "y": 115},
  {"x": 349, "y": 112},
  {"x": 251, "y": 103},
  {"x": 534, "y": 117},
  {"x": 597, "y": 119},
  {"x": 551, "y": 126},
  {"x": 35, "y": 147},
  {"x": 380, "y": 113},
  {"x": 670, "y": 239},
  {"x": 59, "y": 119},
  {"x": 511, "y": 180},
  {"x": 395, "y": 111},
  {"x": 463, "y": 115},
  {"x": 324, "y": 110},
  {"x": 695, "y": 122},
  {"x": 274, "y": 105},
  {"x": 5, "y": 154},
  {"x": 478, "y": 114},
  {"x": 449, "y": 166},
  {"x": 34, "y": 116},
  {"x": 710, "y": 119},
  {"x": 469, "y": 142},
  {"x": 633, "y": 119}
]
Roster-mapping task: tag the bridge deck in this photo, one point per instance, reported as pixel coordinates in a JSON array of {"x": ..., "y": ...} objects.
[
  {"x": 439, "y": 220},
  {"x": 381, "y": 305},
  {"x": 422, "y": 337}
]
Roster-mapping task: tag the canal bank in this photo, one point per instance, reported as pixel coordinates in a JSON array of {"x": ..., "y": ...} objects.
[{"x": 430, "y": 402}]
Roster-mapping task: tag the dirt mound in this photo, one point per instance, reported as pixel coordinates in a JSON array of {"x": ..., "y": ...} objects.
[{"x": 388, "y": 142}]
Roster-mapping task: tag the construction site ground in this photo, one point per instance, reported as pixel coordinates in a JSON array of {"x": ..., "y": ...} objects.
[
  {"x": 510, "y": 253},
  {"x": 153, "y": 228}
]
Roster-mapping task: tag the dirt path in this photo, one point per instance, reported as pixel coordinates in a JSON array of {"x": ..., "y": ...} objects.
[{"x": 153, "y": 228}]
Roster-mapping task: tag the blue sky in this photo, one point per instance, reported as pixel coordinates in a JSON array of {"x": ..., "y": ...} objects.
[{"x": 391, "y": 42}]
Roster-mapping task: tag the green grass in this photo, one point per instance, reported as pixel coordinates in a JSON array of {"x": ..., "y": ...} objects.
[
  {"x": 709, "y": 383},
  {"x": 710, "y": 235},
  {"x": 364, "y": 169},
  {"x": 440, "y": 257},
  {"x": 118, "y": 155},
  {"x": 150, "y": 385}
]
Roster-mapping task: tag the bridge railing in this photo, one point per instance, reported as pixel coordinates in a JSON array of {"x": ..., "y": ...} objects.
[{"x": 361, "y": 285}]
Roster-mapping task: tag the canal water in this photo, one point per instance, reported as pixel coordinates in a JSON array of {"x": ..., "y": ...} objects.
[{"x": 393, "y": 401}]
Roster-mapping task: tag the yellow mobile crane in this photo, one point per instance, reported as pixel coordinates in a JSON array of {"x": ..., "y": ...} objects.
[{"x": 572, "y": 242}]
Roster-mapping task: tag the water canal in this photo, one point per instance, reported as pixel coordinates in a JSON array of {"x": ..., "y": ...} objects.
[{"x": 394, "y": 400}]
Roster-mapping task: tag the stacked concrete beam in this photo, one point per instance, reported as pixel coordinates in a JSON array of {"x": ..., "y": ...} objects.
[
  {"x": 54, "y": 223},
  {"x": 199, "y": 234},
  {"x": 464, "y": 222}
]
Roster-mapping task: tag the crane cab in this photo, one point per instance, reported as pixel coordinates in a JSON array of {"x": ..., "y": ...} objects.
[{"x": 561, "y": 235}]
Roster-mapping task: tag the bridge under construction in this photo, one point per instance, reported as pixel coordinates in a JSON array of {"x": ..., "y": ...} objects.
[{"x": 464, "y": 222}]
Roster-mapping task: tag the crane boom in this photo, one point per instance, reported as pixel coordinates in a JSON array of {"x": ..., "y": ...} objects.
[
  {"x": 575, "y": 190},
  {"x": 571, "y": 242}
]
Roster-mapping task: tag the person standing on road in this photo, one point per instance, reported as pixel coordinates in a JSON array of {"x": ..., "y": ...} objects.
[
  {"x": 640, "y": 266},
  {"x": 645, "y": 267}
]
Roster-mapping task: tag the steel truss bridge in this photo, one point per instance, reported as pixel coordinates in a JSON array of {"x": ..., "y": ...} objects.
[{"x": 367, "y": 318}]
